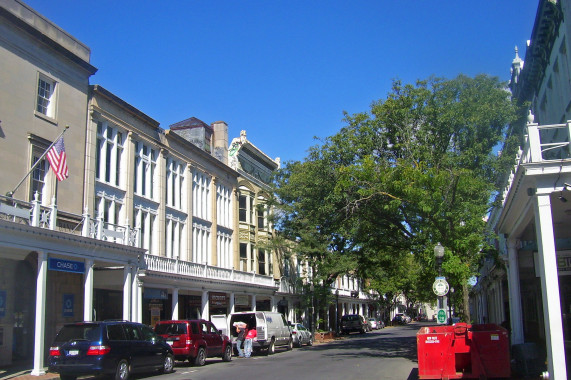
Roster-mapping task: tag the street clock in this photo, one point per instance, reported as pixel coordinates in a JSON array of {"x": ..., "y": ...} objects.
[{"x": 440, "y": 287}]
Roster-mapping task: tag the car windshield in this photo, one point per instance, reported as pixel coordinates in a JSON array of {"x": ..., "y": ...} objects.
[
  {"x": 351, "y": 317},
  {"x": 89, "y": 332}
]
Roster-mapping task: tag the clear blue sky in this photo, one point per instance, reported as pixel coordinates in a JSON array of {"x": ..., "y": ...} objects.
[{"x": 285, "y": 70}]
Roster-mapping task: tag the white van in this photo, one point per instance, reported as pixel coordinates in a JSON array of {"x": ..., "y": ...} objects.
[{"x": 271, "y": 328}]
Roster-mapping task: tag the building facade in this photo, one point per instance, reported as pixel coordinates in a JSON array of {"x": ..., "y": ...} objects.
[
  {"x": 530, "y": 287},
  {"x": 151, "y": 223}
]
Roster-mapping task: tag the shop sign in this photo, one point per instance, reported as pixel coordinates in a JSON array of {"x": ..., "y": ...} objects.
[
  {"x": 68, "y": 305},
  {"x": 66, "y": 265},
  {"x": 158, "y": 294},
  {"x": 155, "y": 306},
  {"x": 564, "y": 262},
  {"x": 218, "y": 299},
  {"x": 241, "y": 300}
]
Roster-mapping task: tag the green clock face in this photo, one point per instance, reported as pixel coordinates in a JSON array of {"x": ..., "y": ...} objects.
[{"x": 440, "y": 287}]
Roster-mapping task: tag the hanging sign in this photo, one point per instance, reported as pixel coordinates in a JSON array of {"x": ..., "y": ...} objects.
[
  {"x": 2, "y": 303},
  {"x": 66, "y": 265},
  {"x": 68, "y": 305}
]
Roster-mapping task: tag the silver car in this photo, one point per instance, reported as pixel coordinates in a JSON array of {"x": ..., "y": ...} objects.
[
  {"x": 301, "y": 335},
  {"x": 373, "y": 324}
]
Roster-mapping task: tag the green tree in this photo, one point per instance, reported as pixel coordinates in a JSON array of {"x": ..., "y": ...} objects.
[{"x": 418, "y": 169}]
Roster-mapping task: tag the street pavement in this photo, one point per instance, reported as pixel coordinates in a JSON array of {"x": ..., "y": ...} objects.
[{"x": 385, "y": 354}]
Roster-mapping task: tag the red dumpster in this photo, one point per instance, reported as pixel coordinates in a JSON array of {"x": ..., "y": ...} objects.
[{"x": 463, "y": 351}]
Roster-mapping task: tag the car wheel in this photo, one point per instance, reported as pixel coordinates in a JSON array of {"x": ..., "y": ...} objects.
[
  {"x": 168, "y": 364},
  {"x": 200, "y": 358},
  {"x": 122, "y": 372},
  {"x": 227, "y": 353},
  {"x": 272, "y": 347},
  {"x": 290, "y": 344},
  {"x": 67, "y": 377}
]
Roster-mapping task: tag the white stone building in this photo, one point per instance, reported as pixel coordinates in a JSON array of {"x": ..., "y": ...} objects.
[{"x": 531, "y": 288}]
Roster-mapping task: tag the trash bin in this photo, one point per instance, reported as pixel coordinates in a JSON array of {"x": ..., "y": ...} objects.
[{"x": 463, "y": 351}]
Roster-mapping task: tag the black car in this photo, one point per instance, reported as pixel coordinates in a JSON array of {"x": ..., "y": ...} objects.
[
  {"x": 116, "y": 348},
  {"x": 352, "y": 323}
]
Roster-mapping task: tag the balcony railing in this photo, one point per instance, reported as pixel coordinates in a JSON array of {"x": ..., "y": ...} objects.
[
  {"x": 36, "y": 215},
  {"x": 542, "y": 143},
  {"x": 185, "y": 268}
]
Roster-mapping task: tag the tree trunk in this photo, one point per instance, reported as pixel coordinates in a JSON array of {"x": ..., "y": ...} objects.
[{"x": 466, "y": 303}]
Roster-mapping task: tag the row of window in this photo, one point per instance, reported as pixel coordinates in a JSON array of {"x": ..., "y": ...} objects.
[
  {"x": 111, "y": 174},
  {"x": 250, "y": 212}
]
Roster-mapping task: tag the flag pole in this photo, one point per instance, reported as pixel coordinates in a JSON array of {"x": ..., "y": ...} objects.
[{"x": 11, "y": 193}]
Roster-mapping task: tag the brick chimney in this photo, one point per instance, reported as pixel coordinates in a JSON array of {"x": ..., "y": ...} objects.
[{"x": 220, "y": 141}]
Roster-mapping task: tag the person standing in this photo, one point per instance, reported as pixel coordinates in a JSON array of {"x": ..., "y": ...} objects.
[
  {"x": 241, "y": 330},
  {"x": 250, "y": 336}
]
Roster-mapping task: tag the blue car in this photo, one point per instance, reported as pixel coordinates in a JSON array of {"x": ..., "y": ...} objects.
[{"x": 110, "y": 348}]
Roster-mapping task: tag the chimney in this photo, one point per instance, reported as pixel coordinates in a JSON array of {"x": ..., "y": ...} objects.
[{"x": 220, "y": 141}]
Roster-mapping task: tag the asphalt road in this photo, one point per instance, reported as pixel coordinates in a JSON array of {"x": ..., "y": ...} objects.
[{"x": 386, "y": 354}]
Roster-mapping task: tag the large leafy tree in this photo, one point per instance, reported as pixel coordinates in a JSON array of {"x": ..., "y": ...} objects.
[{"x": 417, "y": 169}]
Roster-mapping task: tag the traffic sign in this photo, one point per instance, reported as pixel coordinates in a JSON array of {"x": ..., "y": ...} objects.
[{"x": 441, "y": 316}]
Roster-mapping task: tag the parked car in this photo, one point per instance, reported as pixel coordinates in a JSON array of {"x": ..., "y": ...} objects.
[
  {"x": 353, "y": 323},
  {"x": 301, "y": 335},
  {"x": 374, "y": 324},
  {"x": 112, "y": 348},
  {"x": 195, "y": 340},
  {"x": 401, "y": 319},
  {"x": 272, "y": 329}
]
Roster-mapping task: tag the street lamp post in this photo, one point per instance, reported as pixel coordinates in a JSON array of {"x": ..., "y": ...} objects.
[
  {"x": 312, "y": 321},
  {"x": 439, "y": 255}
]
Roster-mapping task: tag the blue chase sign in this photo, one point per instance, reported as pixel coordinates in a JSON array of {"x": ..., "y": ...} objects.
[{"x": 66, "y": 265}]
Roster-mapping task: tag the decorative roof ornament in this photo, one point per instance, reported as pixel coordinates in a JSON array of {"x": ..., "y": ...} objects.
[
  {"x": 517, "y": 65},
  {"x": 530, "y": 117}
]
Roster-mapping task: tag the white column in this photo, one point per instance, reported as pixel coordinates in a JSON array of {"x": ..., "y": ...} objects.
[
  {"x": 253, "y": 302},
  {"x": 550, "y": 288},
  {"x": 127, "y": 292},
  {"x": 205, "y": 312},
  {"x": 273, "y": 303},
  {"x": 40, "y": 329},
  {"x": 88, "y": 291},
  {"x": 134, "y": 295},
  {"x": 516, "y": 318},
  {"x": 232, "y": 304},
  {"x": 175, "y": 303},
  {"x": 139, "y": 300}
]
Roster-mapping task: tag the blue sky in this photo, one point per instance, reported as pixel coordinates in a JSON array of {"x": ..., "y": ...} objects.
[{"x": 285, "y": 71}]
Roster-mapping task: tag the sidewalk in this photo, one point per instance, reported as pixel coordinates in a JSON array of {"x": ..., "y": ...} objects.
[{"x": 24, "y": 373}]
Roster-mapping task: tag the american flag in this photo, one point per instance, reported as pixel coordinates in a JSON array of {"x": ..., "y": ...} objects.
[{"x": 58, "y": 160}]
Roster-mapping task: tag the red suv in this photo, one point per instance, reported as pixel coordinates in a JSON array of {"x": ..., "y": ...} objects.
[{"x": 195, "y": 340}]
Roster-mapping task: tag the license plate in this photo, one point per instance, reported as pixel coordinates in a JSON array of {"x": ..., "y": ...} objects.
[{"x": 73, "y": 353}]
